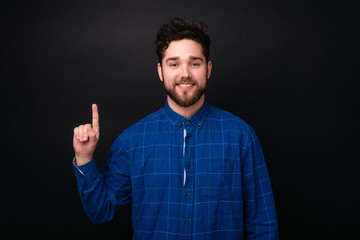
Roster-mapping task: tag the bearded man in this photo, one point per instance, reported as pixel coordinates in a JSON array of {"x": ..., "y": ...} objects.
[{"x": 189, "y": 170}]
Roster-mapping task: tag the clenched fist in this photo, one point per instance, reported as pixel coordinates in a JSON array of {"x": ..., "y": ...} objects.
[{"x": 86, "y": 137}]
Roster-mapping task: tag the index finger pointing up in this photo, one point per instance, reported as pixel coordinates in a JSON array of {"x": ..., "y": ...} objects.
[{"x": 95, "y": 118}]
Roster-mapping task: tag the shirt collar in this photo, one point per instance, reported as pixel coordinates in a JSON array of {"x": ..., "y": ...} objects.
[{"x": 177, "y": 120}]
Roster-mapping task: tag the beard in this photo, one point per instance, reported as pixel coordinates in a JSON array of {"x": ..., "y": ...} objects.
[{"x": 185, "y": 99}]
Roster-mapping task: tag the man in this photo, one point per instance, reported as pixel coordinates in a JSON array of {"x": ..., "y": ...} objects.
[{"x": 190, "y": 170}]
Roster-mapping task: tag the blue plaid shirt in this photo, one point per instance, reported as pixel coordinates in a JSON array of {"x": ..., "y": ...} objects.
[{"x": 199, "y": 178}]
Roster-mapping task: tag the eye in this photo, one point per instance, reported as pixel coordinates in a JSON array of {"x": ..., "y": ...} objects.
[
  {"x": 195, "y": 64},
  {"x": 173, "y": 64}
]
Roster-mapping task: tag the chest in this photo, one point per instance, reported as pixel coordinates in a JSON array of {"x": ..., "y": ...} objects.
[{"x": 171, "y": 158}]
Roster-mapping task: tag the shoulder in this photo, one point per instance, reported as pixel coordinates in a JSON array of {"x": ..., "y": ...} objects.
[
  {"x": 223, "y": 115},
  {"x": 231, "y": 121},
  {"x": 147, "y": 122},
  {"x": 137, "y": 130}
]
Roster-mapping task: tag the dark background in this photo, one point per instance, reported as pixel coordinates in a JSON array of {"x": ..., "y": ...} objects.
[{"x": 288, "y": 68}]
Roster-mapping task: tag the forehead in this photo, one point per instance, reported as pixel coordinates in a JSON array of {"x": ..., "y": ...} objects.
[{"x": 183, "y": 49}]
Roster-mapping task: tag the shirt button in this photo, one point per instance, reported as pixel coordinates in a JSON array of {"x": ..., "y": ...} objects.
[
  {"x": 188, "y": 140},
  {"x": 188, "y": 166},
  {"x": 188, "y": 194},
  {"x": 186, "y": 222},
  {"x": 187, "y": 122}
]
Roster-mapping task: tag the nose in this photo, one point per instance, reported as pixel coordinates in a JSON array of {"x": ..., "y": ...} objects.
[{"x": 185, "y": 73}]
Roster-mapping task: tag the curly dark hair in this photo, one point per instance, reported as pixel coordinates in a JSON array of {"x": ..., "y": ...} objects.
[{"x": 181, "y": 28}]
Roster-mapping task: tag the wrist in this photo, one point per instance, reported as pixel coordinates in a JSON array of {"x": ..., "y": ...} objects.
[{"x": 81, "y": 160}]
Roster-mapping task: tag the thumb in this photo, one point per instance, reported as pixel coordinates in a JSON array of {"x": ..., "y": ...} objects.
[{"x": 92, "y": 135}]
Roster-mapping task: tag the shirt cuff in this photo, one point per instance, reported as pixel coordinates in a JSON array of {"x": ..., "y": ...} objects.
[{"x": 88, "y": 171}]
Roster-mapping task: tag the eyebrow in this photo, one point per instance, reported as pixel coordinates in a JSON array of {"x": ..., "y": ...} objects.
[
  {"x": 172, "y": 59},
  {"x": 177, "y": 58},
  {"x": 196, "y": 58}
]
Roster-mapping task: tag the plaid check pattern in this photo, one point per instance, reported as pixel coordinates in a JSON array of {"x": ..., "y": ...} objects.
[{"x": 199, "y": 178}]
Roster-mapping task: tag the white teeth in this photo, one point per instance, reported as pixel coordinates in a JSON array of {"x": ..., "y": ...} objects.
[{"x": 185, "y": 85}]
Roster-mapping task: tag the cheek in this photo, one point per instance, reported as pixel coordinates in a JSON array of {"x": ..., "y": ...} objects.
[
  {"x": 200, "y": 76},
  {"x": 168, "y": 79},
  {"x": 170, "y": 76}
]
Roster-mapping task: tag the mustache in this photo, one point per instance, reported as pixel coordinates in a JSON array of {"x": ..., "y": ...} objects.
[{"x": 186, "y": 81}]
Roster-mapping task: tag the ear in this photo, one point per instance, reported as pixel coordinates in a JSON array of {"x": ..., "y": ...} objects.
[
  {"x": 160, "y": 72},
  {"x": 209, "y": 68}
]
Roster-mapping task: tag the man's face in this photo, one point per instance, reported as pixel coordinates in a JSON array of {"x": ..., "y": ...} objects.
[{"x": 184, "y": 72}]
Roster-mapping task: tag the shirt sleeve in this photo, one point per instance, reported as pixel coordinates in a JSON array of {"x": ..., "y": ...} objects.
[
  {"x": 102, "y": 193},
  {"x": 259, "y": 205}
]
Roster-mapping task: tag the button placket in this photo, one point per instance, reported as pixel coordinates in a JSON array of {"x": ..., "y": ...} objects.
[
  {"x": 188, "y": 128},
  {"x": 188, "y": 182}
]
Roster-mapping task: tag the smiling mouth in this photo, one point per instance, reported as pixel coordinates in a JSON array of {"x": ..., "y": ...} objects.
[{"x": 185, "y": 86}]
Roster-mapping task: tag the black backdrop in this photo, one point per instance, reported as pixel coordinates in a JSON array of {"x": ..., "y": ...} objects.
[{"x": 288, "y": 68}]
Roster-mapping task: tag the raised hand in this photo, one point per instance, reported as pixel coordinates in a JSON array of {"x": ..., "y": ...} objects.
[{"x": 86, "y": 137}]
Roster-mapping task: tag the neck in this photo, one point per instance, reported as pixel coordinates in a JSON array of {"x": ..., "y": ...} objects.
[{"x": 186, "y": 111}]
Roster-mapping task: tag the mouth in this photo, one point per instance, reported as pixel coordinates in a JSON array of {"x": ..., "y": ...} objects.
[{"x": 185, "y": 86}]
